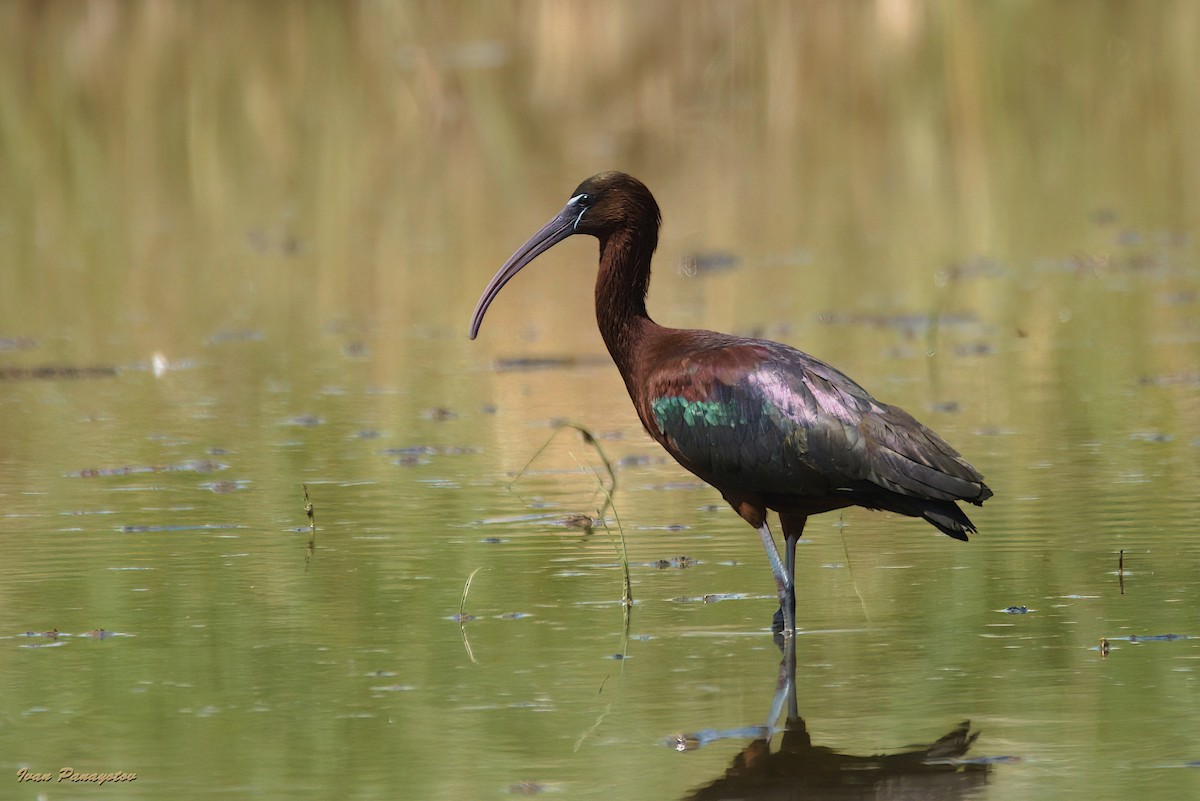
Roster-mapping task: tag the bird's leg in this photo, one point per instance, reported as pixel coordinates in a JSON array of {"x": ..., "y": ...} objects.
[
  {"x": 793, "y": 527},
  {"x": 752, "y": 509},
  {"x": 783, "y": 583},
  {"x": 777, "y": 567}
]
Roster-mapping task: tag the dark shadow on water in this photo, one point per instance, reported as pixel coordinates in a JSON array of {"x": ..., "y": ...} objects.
[{"x": 800, "y": 770}]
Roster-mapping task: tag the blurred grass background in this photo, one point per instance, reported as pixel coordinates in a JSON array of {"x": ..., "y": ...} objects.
[{"x": 162, "y": 160}]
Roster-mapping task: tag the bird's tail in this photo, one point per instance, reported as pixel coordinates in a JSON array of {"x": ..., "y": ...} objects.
[{"x": 945, "y": 516}]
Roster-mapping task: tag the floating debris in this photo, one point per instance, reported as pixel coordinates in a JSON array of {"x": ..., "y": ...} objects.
[
  {"x": 223, "y": 487},
  {"x": 679, "y": 562},
  {"x": 717, "y": 597},
  {"x": 579, "y": 521},
  {"x": 530, "y": 787},
  {"x": 55, "y": 634},
  {"x": 439, "y": 413},
  {"x": 1017, "y": 610},
  {"x": 414, "y": 454},
  {"x": 711, "y": 598},
  {"x": 974, "y": 349},
  {"x": 521, "y": 363},
  {"x": 412, "y": 450},
  {"x": 1136, "y": 638},
  {"x": 156, "y": 529},
  {"x": 1151, "y": 436},
  {"x": 195, "y": 466},
  {"x": 52, "y": 634},
  {"x": 188, "y": 466},
  {"x": 52, "y": 372}
]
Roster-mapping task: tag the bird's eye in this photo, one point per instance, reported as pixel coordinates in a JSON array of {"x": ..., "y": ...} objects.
[{"x": 581, "y": 200}]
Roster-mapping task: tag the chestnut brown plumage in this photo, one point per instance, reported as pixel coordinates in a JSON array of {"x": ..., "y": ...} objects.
[{"x": 766, "y": 425}]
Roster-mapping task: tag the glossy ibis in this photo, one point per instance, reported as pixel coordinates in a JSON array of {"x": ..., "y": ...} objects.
[{"x": 766, "y": 425}]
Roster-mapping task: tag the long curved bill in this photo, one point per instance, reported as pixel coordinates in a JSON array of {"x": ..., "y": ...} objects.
[{"x": 553, "y": 232}]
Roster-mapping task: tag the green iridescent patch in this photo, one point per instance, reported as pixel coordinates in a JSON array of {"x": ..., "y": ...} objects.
[{"x": 692, "y": 413}]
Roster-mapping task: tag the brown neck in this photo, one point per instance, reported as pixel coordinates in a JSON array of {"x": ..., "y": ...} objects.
[{"x": 621, "y": 284}]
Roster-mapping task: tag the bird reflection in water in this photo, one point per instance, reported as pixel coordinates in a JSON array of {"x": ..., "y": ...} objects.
[{"x": 940, "y": 771}]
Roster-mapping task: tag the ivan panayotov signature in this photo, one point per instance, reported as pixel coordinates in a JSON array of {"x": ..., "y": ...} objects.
[{"x": 76, "y": 776}]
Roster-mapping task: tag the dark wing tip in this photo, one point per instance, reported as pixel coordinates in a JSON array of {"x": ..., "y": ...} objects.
[{"x": 949, "y": 519}]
